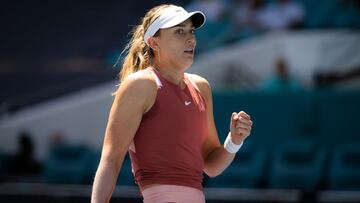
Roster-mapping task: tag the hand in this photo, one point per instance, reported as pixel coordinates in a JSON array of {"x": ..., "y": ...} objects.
[{"x": 240, "y": 126}]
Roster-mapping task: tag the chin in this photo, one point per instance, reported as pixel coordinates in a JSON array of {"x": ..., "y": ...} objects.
[
  {"x": 188, "y": 64},
  {"x": 189, "y": 60}
]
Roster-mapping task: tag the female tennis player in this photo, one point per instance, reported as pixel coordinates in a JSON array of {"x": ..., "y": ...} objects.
[{"x": 163, "y": 116}]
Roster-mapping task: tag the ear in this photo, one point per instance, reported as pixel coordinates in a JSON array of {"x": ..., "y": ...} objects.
[{"x": 153, "y": 43}]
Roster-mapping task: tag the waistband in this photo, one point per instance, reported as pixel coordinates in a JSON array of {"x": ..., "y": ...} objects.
[{"x": 172, "y": 193}]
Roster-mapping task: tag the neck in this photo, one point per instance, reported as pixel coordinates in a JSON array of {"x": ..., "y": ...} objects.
[{"x": 174, "y": 75}]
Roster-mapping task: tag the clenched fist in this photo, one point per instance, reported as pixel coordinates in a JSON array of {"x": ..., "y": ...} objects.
[{"x": 240, "y": 126}]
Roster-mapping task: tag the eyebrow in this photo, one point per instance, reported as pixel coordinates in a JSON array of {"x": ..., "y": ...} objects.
[{"x": 183, "y": 25}]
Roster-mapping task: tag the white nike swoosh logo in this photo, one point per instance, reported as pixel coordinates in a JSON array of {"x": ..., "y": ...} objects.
[{"x": 187, "y": 103}]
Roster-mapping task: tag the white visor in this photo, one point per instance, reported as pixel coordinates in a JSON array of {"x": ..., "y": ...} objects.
[{"x": 171, "y": 16}]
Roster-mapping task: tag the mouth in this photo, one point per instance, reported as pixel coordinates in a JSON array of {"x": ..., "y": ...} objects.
[{"x": 189, "y": 51}]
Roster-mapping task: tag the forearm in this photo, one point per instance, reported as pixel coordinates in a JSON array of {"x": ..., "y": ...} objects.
[
  {"x": 104, "y": 182},
  {"x": 217, "y": 161}
]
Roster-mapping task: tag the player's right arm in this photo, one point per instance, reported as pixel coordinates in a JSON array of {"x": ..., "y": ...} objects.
[{"x": 134, "y": 97}]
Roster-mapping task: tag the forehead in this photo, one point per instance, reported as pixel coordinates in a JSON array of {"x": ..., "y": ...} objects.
[{"x": 187, "y": 24}]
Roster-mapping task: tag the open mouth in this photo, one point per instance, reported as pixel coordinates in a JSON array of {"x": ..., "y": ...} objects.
[{"x": 189, "y": 51}]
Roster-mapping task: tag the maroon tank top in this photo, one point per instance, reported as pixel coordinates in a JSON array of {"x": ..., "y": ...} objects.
[{"x": 168, "y": 143}]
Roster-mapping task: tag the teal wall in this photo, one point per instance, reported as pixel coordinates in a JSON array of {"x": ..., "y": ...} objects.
[
  {"x": 326, "y": 117},
  {"x": 307, "y": 140}
]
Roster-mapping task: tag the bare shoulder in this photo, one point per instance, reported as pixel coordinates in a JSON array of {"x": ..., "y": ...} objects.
[
  {"x": 138, "y": 87},
  {"x": 142, "y": 81},
  {"x": 202, "y": 84}
]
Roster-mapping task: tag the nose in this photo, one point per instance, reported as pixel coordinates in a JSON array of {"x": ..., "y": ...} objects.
[{"x": 191, "y": 39}]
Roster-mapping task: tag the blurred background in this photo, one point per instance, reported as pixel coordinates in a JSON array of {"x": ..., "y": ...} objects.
[{"x": 293, "y": 65}]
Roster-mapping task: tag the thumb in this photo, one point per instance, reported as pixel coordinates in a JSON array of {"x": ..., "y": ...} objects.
[{"x": 234, "y": 118}]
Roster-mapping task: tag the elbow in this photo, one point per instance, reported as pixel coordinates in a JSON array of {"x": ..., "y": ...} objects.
[
  {"x": 112, "y": 158},
  {"x": 212, "y": 173}
]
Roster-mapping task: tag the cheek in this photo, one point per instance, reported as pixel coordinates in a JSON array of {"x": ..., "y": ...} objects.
[
  {"x": 171, "y": 45},
  {"x": 171, "y": 48}
]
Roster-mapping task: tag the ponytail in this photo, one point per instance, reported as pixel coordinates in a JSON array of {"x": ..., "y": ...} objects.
[{"x": 139, "y": 54}]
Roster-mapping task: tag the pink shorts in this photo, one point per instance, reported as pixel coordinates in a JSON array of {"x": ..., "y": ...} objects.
[{"x": 172, "y": 193}]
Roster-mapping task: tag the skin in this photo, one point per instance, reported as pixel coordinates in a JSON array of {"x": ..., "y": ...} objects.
[{"x": 137, "y": 94}]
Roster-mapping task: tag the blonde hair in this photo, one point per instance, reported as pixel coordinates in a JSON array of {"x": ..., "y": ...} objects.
[{"x": 139, "y": 54}]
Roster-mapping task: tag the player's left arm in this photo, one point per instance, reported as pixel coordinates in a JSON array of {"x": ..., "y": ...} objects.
[{"x": 216, "y": 158}]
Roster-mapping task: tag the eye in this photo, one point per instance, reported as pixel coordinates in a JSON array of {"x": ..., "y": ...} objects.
[
  {"x": 192, "y": 31},
  {"x": 180, "y": 31}
]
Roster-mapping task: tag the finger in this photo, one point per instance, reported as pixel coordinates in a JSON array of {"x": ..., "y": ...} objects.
[
  {"x": 243, "y": 114},
  {"x": 242, "y": 125},
  {"x": 233, "y": 120},
  {"x": 234, "y": 116},
  {"x": 245, "y": 120}
]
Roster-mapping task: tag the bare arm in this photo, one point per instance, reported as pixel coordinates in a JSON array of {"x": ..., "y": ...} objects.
[
  {"x": 134, "y": 97},
  {"x": 217, "y": 159}
]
